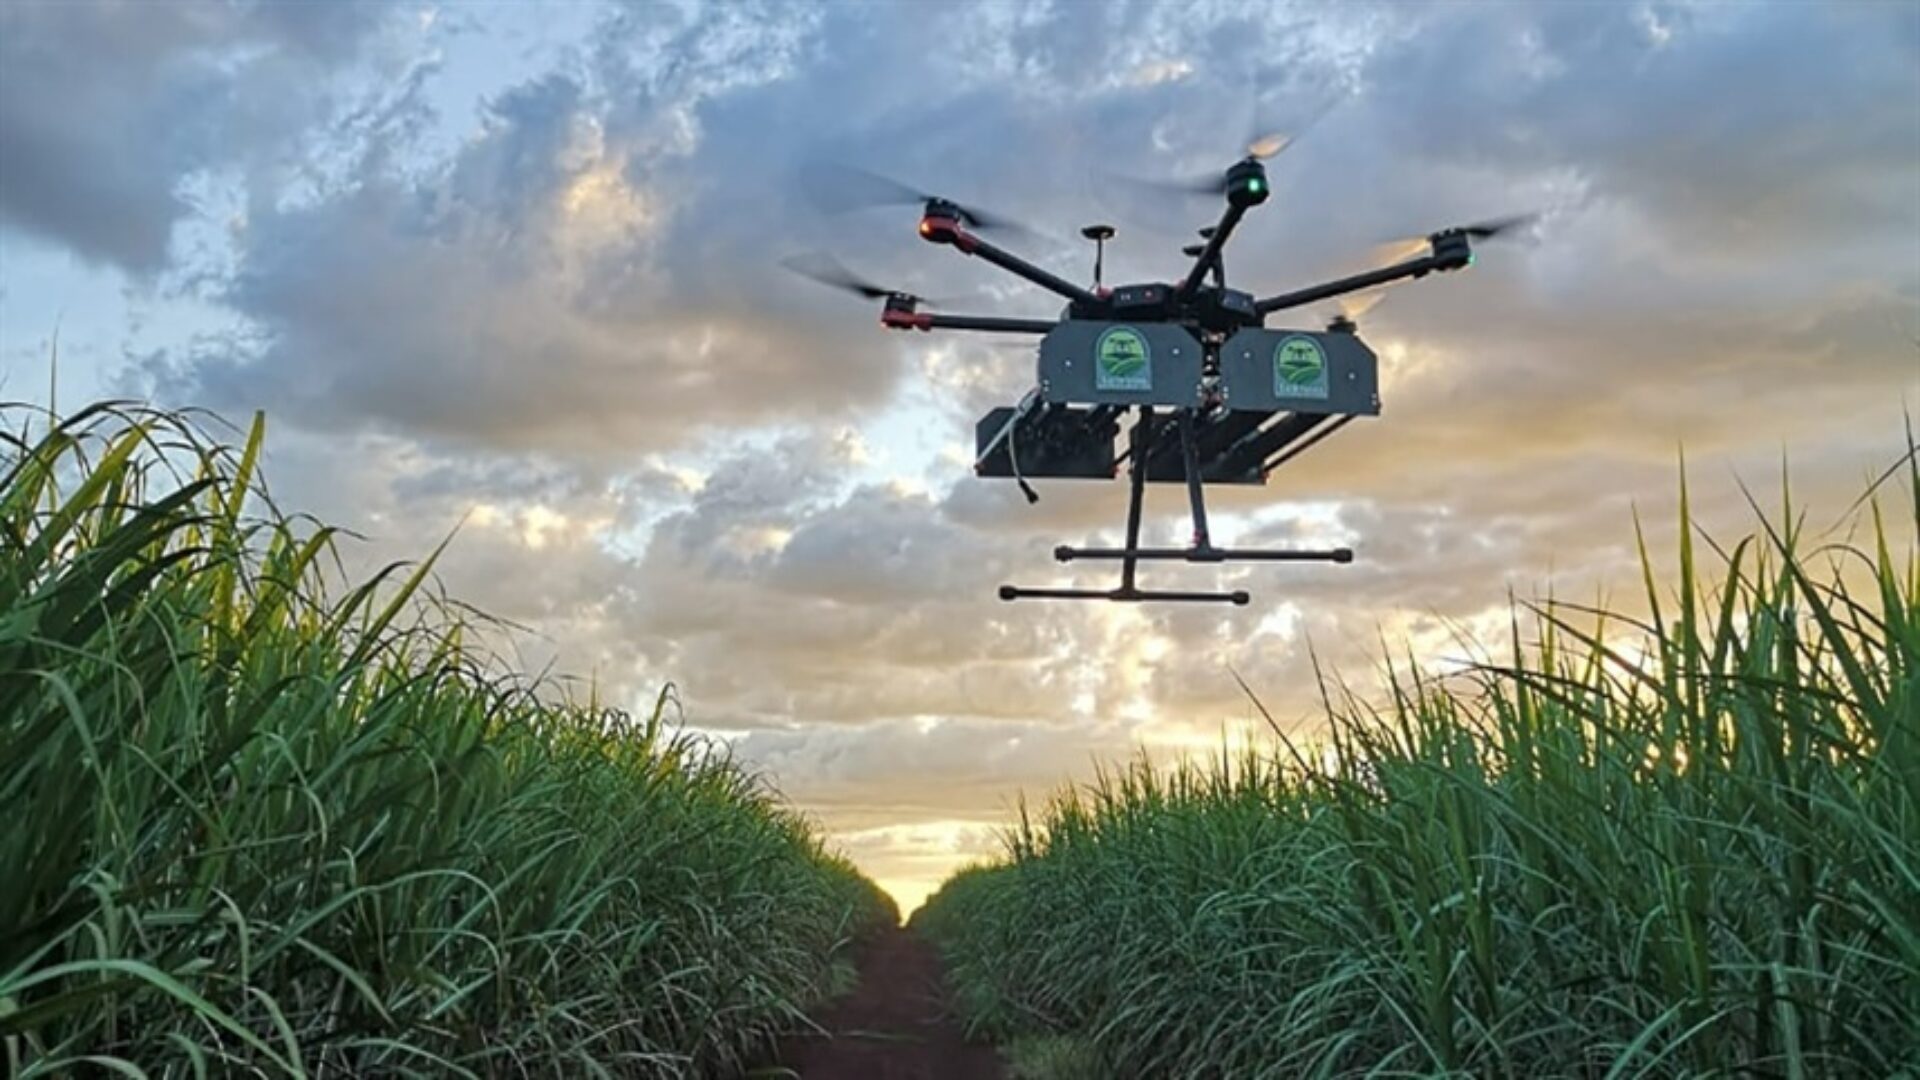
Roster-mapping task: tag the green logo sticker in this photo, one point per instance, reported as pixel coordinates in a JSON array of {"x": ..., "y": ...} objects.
[
  {"x": 1299, "y": 368},
  {"x": 1122, "y": 360}
]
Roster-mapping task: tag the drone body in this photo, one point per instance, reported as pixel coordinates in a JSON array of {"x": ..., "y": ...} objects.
[{"x": 1218, "y": 398}]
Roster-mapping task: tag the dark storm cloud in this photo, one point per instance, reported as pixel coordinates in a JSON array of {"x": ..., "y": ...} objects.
[{"x": 107, "y": 108}]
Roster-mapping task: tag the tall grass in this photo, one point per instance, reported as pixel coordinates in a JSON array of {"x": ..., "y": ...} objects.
[
  {"x": 260, "y": 821},
  {"x": 1687, "y": 844}
]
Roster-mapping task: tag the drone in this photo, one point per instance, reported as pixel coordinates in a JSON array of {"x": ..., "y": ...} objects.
[{"x": 1217, "y": 397}]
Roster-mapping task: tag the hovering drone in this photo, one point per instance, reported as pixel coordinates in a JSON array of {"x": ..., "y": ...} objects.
[{"x": 1218, "y": 397}]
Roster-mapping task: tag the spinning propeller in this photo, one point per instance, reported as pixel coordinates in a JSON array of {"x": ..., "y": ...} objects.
[
  {"x": 1259, "y": 148},
  {"x": 1353, "y": 305},
  {"x": 1265, "y": 140},
  {"x": 829, "y": 271},
  {"x": 838, "y": 189},
  {"x": 1507, "y": 227}
]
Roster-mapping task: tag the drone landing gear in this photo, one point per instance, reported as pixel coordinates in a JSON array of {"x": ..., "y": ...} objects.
[{"x": 1140, "y": 441}]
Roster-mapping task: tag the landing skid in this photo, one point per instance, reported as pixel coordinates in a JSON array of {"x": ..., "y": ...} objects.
[
  {"x": 1205, "y": 554},
  {"x": 1010, "y": 592},
  {"x": 1140, "y": 442}
]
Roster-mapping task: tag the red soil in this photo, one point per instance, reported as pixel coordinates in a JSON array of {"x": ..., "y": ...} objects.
[{"x": 897, "y": 1024}]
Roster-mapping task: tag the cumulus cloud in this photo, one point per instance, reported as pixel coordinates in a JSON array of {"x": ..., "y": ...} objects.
[
  {"x": 107, "y": 109},
  {"x": 567, "y": 328}
]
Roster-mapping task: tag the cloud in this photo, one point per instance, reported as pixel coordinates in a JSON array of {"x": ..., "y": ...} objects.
[
  {"x": 566, "y": 326},
  {"x": 1646, "y": 101},
  {"x": 595, "y": 269},
  {"x": 106, "y": 109},
  {"x": 1577, "y": 365},
  {"x": 515, "y": 297}
]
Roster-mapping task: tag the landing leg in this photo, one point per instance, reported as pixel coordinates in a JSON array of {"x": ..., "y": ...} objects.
[
  {"x": 1141, "y": 443},
  {"x": 1202, "y": 550},
  {"x": 1190, "y": 459},
  {"x": 1140, "y": 446}
]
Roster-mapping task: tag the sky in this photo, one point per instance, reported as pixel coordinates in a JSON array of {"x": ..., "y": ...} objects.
[{"x": 515, "y": 270}]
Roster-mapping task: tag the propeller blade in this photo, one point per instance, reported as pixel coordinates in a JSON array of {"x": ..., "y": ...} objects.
[
  {"x": 981, "y": 219},
  {"x": 1268, "y": 145},
  {"x": 838, "y": 189},
  {"x": 1500, "y": 226},
  {"x": 1354, "y": 305},
  {"x": 1507, "y": 227},
  {"x": 829, "y": 271},
  {"x": 1262, "y": 144},
  {"x": 1395, "y": 251},
  {"x": 1268, "y": 138},
  {"x": 1209, "y": 184}
]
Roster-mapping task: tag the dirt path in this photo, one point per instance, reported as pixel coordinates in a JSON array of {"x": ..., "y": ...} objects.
[{"x": 896, "y": 1025}]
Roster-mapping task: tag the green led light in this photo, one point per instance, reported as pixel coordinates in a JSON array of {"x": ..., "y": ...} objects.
[{"x": 1255, "y": 184}]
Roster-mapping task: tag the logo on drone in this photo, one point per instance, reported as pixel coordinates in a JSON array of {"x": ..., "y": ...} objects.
[
  {"x": 1299, "y": 368},
  {"x": 1122, "y": 361}
]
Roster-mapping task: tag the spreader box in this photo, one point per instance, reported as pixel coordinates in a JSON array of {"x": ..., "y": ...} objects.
[
  {"x": 1267, "y": 371},
  {"x": 1089, "y": 362}
]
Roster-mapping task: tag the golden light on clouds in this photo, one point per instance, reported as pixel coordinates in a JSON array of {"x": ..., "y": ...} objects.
[
  {"x": 541, "y": 289},
  {"x": 910, "y": 861},
  {"x": 748, "y": 541},
  {"x": 535, "y": 526}
]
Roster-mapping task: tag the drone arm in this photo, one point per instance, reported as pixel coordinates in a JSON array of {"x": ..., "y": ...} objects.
[
  {"x": 1412, "y": 268},
  {"x": 914, "y": 320},
  {"x": 1013, "y": 264},
  {"x": 1208, "y": 255}
]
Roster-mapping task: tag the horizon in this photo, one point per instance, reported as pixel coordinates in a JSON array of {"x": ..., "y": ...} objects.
[{"x": 520, "y": 269}]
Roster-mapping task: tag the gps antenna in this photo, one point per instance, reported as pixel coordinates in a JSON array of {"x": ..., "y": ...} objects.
[{"x": 1099, "y": 234}]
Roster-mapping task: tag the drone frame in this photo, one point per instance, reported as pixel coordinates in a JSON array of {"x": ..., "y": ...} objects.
[{"x": 1211, "y": 312}]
